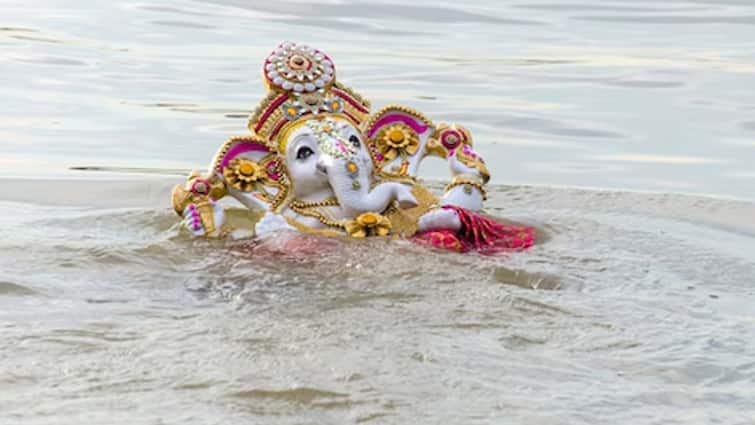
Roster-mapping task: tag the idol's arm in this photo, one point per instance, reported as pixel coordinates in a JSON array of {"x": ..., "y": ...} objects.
[
  {"x": 196, "y": 203},
  {"x": 466, "y": 190}
]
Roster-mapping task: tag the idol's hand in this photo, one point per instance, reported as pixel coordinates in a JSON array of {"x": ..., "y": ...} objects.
[
  {"x": 204, "y": 218},
  {"x": 439, "y": 219}
]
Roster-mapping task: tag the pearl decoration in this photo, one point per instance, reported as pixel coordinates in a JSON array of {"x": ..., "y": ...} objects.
[{"x": 298, "y": 68}]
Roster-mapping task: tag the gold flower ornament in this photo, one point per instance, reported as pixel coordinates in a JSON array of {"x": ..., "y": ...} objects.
[
  {"x": 369, "y": 224},
  {"x": 397, "y": 139},
  {"x": 243, "y": 174}
]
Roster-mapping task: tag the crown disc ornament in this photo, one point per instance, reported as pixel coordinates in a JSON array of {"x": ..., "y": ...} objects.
[{"x": 298, "y": 68}]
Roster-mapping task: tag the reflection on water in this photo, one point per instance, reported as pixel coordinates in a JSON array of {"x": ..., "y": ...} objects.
[
  {"x": 603, "y": 86},
  {"x": 634, "y": 308}
]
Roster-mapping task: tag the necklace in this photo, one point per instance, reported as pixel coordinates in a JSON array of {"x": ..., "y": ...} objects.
[
  {"x": 307, "y": 209},
  {"x": 329, "y": 202}
]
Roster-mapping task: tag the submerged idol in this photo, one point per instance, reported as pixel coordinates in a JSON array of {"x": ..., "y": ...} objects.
[{"x": 318, "y": 161}]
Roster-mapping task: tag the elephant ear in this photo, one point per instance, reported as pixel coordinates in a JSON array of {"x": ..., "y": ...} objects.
[
  {"x": 397, "y": 137},
  {"x": 253, "y": 173}
]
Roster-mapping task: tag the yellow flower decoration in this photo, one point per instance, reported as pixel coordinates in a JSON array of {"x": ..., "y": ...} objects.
[
  {"x": 369, "y": 224},
  {"x": 243, "y": 174},
  {"x": 395, "y": 140}
]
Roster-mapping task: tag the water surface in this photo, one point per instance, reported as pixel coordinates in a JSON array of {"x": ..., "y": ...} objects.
[
  {"x": 621, "y": 94},
  {"x": 637, "y": 308}
]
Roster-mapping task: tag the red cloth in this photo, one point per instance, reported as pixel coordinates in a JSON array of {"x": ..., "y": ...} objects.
[{"x": 479, "y": 233}]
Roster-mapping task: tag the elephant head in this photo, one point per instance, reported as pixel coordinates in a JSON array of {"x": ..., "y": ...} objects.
[
  {"x": 317, "y": 157},
  {"x": 329, "y": 152}
]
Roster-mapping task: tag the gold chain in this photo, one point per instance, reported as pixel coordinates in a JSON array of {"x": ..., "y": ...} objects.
[
  {"x": 305, "y": 209},
  {"x": 330, "y": 202}
]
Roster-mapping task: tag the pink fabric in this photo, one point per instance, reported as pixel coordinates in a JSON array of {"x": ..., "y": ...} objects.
[{"x": 478, "y": 233}]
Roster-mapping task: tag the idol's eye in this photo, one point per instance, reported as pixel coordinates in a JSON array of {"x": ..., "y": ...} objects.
[
  {"x": 354, "y": 141},
  {"x": 304, "y": 152}
]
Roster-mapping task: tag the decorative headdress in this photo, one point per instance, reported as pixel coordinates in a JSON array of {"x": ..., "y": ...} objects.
[{"x": 301, "y": 82}]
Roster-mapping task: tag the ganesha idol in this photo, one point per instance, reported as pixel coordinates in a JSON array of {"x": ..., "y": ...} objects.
[{"x": 318, "y": 161}]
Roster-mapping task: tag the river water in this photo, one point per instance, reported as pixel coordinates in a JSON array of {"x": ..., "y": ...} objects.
[{"x": 623, "y": 130}]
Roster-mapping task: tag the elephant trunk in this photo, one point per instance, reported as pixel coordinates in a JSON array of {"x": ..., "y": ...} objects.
[{"x": 351, "y": 184}]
